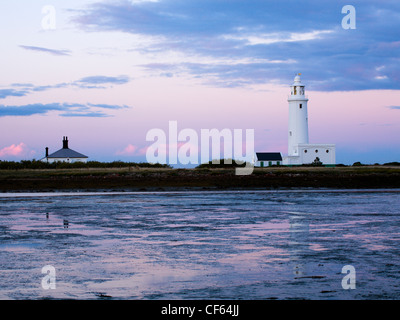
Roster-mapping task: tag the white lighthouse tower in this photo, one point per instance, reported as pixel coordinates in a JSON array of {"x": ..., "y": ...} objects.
[
  {"x": 300, "y": 151},
  {"x": 298, "y": 117}
]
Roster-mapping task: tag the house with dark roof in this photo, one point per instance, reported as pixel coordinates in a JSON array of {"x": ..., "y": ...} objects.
[
  {"x": 267, "y": 159},
  {"x": 64, "y": 155}
]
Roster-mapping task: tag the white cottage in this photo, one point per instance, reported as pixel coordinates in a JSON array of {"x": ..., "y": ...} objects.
[
  {"x": 64, "y": 155},
  {"x": 267, "y": 159}
]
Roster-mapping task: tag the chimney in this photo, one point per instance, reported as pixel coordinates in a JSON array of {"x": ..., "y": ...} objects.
[
  {"x": 65, "y": 143},
  {"x": 47, "y": 152}
]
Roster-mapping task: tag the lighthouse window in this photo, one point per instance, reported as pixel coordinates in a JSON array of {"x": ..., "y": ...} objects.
[
  {"x": 327, "y": 151},
  {"x": 305, "y": 151},
  {"x": 301, "y": 106},
  {"x": 316, "y": 151}
]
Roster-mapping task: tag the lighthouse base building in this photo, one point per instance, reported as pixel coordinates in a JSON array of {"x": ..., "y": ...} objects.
[{"x": 312, "y": 153}]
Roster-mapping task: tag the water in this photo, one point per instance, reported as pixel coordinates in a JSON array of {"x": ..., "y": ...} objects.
[{"x": 201, "y": 245}]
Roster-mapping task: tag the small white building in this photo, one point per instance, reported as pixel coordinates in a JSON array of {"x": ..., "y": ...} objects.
[
  {"x": 309, "y": 153},
  {"x": 267, "y": 159},
  {"x": 300, "y": 151},
  {"x": 64, "y": 155}
]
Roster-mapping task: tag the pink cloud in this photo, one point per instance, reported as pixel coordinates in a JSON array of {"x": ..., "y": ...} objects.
[
  {"x": 15, "y": 150},
  {"x": 129, "y": 150}
]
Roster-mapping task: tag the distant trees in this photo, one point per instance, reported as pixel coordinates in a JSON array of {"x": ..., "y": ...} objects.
[
  {"x": 223, "y": 163},
  {"x": 392, "y": 164},
  {"x": 359, "y": 164},
  {"x": 35, "y": 164}
]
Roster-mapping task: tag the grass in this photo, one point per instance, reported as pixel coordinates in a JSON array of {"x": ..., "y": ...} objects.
[{"x": 135, "y": 178}]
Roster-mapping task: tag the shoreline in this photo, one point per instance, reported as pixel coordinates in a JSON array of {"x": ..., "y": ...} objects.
[
  {"x": 80, "y": 193},
  {"x": 160, "y": 179}
]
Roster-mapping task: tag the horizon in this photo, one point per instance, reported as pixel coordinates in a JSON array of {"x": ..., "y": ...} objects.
[{"x": 106, "y": 73}]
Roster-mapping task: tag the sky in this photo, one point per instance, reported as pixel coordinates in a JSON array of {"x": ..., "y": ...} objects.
[{"x": 105, "y": 73}]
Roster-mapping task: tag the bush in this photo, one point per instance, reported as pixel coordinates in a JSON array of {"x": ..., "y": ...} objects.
[
  {"x": 392, "y": 164},
  {"x": 317, "y": 162},
  {"x": 357, "y": 164}
]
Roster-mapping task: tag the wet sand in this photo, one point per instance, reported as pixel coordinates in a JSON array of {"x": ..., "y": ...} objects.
[
  {"x": 230, "y": 245},
  {"x": 140, "y": 179}
]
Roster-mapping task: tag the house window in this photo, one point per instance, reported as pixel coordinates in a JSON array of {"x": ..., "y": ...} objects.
[
  {"x": 278, "y": 163},
  {"x": 269, "y": 163},
  {"x": 262, "y": 164}
]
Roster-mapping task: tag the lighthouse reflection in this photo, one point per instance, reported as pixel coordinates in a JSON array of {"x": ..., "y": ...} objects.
[{"x": 299, "y": 245}]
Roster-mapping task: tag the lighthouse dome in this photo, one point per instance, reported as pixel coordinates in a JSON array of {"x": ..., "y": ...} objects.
[{"x": 297, "y": 80}]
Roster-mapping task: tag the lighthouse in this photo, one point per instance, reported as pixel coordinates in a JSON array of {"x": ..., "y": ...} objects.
[
  {"x": 298, "y": 117},
  {"x": 300, "y": 151}
]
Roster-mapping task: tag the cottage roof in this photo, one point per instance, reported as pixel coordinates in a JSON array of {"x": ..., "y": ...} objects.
[
  {"x": 269, "y": 156},
  {"x": 66, "y": 153}
]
